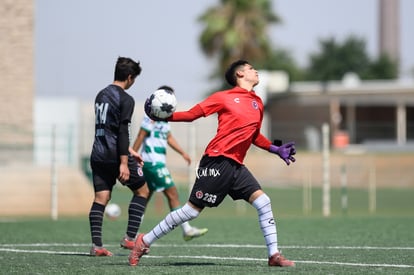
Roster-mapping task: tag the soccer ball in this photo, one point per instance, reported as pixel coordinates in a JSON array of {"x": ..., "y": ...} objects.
[
  {"x": 113, "y": 211},
  {"x": 162, "y": 103}
]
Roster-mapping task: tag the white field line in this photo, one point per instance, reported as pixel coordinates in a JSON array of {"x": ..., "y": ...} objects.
[
  {"x": 42, "y": 251},
  {"x": 220, "y": 246},
  {"x": 261, "y": 259},
  {"x": 210, "y": 258}
]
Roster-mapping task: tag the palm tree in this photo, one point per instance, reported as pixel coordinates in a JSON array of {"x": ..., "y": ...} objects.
[{"x": 237, "y": 29}]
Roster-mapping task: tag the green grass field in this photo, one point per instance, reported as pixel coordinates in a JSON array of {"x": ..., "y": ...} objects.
[{"x": 352, "y": 242}]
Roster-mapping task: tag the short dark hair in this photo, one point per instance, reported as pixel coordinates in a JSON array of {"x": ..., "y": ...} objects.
[
  {"x": 124, "y": 67},
  {"x": 230, "y": 75},
  {"x": 165, "y": 87}
]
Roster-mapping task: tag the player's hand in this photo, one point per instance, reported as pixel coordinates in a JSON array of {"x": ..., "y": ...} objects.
[
  {"x": 123, "y": 173},
  {"x": 285, "y": 151},
  {"x": 136, "y": 156},
  {"x": 187, "y": 158}
]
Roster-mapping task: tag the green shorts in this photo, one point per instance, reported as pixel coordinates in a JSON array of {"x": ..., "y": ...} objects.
[{"x": 157, "y": 177}]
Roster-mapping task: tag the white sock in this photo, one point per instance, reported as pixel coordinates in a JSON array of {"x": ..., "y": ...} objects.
[
  {"x": 186, "y": 227},
  {"x": 170, "y": 222},
  {"x": 267, "y": 222}
]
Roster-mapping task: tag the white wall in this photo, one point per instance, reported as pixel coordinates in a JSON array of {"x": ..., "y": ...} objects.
[{"x": 56, "y": 119}]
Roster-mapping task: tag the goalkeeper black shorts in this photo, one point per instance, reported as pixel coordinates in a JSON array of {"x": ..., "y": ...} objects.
[{"x": 217, "y": 177}]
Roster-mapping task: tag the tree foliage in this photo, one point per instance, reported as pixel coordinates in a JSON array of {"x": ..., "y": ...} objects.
[
  {"x": 237, "y": 29},
  {"x": 334, "y": 60},
  {"x": 382, "y": 68}
]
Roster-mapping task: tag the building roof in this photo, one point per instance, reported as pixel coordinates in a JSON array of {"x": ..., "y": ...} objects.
[{"x": 373, "y": 92}]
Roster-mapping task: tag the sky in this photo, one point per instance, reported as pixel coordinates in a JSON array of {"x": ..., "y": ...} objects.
[{"x": 77, "y": 42}]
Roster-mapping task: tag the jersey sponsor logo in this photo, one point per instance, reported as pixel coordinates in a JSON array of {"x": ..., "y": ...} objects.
[
  {"x": 140, "y": 172},
  {"x": 207, "y": 172},
  {"x": 237, "y": 100},
  {"x": 255, "y": 105},
  {"x": 172, "y": 226},
  {"x": 199, "y": 194}
]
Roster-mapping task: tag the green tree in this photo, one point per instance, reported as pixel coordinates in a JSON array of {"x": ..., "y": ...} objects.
[
  {"x": 335, "y": 59},
  {"x": 237, "y": 29},
  {"x": 382, "y": 68}
]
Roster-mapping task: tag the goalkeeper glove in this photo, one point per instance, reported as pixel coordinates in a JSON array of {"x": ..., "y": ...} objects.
[{"x": 284, "y": 151}]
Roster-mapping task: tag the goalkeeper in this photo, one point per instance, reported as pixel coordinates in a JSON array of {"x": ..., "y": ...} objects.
[{"x": 221, "y": 171}]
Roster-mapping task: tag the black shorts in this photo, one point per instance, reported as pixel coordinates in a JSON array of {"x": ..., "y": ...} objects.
[
  {"x": 104, "y": 175},
  {"x": 217, "y": 177}
]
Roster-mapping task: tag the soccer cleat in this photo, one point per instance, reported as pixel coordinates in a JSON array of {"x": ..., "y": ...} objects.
[
  {"x": 194, "y": 233},
  {"x": 127, "y": 244},
  {"x": 140, "y": 248},
  {"x": 100, "y": 251},
  {"x": 278, "y": 260}
]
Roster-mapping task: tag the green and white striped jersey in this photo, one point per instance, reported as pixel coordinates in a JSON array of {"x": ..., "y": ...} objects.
[{"x": 154, "y": 147}]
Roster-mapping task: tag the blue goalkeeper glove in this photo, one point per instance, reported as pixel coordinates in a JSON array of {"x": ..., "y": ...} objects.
[{"x": 284, "y": 151}]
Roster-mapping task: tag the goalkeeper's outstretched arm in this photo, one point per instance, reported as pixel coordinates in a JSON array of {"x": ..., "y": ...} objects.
[{"x": 187, "y": 116}]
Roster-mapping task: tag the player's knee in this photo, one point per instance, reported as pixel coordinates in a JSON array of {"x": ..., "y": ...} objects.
[
  {"x": 191, "y": 211},
  {"x": 143, "y": 191},
  {"x": 261, "y": 201},
  {"x": 265, "y": 198}
]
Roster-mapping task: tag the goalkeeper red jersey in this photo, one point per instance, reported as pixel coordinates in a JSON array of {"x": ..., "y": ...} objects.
[{"x": 240, "y": 114}]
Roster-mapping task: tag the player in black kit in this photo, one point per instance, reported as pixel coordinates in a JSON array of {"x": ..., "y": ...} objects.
[{"x": 113, "y": 159}]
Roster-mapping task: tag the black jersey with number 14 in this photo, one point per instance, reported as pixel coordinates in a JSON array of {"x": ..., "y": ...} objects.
[{"x": 113, "y": 113}]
